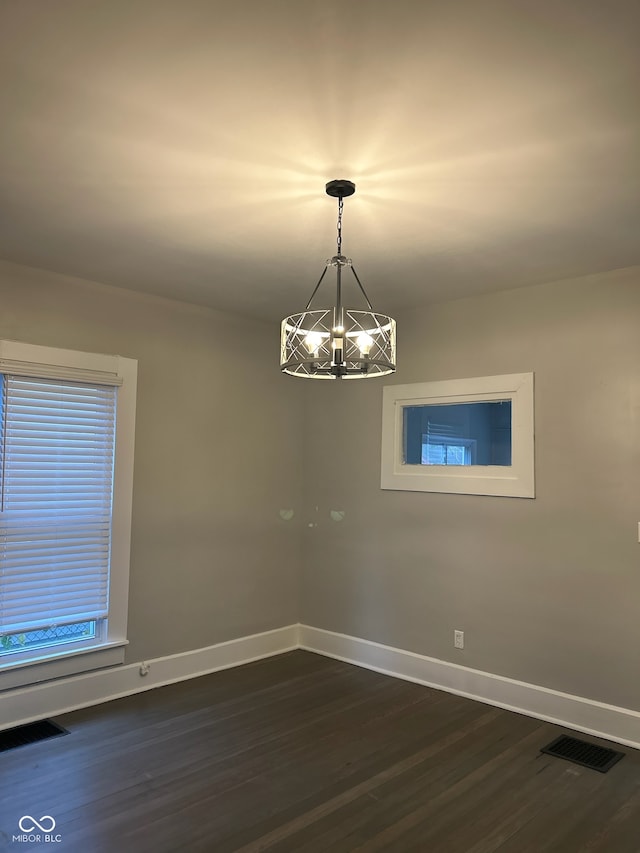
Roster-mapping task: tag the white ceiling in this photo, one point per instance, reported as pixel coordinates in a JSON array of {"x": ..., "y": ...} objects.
[{"x": 181, "y": 147}]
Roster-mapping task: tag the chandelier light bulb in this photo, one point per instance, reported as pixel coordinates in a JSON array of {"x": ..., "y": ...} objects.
[
  {"x": 364, "y": 342},
  {"x": 313, "y": 342}
]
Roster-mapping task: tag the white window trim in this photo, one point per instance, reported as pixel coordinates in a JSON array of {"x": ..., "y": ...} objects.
[
  {"x": 108, "y": 650},
  {"x": 515, "y": 480}
]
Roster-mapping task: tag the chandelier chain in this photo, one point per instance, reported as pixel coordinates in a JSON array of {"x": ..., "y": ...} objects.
[{"x": 340, "y": 206}]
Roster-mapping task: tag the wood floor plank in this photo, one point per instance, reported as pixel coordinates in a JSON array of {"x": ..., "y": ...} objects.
[{"x": 304, "y": 754}]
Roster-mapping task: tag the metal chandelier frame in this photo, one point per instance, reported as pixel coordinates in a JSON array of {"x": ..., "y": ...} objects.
[{"x": 338, "y": 342}]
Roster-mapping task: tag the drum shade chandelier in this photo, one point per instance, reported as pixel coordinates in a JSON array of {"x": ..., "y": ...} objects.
[{"x": 338, "y": 342}]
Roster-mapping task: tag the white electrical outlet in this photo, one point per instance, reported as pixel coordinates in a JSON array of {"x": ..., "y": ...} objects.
[{"x": 458, "y": 639}]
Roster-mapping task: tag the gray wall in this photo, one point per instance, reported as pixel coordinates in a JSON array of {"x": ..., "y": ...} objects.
[
  {"x": 217, "y": 456},
  {"x": 546, "y": 590}
]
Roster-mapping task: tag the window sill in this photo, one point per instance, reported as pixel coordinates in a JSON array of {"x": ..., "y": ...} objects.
[{"x": 22, "y": 673}]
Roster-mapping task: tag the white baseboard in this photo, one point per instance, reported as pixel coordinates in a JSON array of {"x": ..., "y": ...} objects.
[
  {"x": 50, "y": 698},
  {"x": 585, "y": 715}
]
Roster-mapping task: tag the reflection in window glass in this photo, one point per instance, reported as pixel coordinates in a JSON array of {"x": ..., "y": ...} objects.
[{"x": 458, "y": 434}]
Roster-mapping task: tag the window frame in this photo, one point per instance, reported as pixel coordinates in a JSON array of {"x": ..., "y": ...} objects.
[
  {"x": 108, "y": 648},
  {"x": 515, "y": 480}
]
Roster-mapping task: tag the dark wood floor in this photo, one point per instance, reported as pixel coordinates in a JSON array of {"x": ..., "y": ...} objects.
[{"x": 304, "y": 754}]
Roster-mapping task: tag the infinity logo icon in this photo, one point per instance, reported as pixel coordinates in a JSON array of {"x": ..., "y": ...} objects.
[{"x": 45, "y": 824}]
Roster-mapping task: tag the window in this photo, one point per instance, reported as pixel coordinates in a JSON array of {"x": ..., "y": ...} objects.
[
  {"x": 66, "y": 444},
  {"x": 458, "y": 434},
  {"x": 444, "y": 450},
  {"x": 467, "y": 436}
]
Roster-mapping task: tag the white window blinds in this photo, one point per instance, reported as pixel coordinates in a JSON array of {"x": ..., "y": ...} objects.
[{"x": 56, "y": 470}]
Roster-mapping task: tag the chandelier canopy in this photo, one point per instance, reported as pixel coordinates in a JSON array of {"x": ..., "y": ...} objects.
[{"x": 338, "y": 342}]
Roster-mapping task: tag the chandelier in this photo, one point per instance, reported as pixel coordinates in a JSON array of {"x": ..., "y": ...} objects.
[{"x": 338, "y": 342}]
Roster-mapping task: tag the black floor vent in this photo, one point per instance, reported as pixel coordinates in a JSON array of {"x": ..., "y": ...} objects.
[
  {"x": 30, "y": 733},
  {"x": 580, "y": 752}
]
